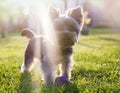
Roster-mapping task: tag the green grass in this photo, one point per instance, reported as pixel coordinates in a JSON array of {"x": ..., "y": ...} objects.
[{"x": 96, "y": 65}]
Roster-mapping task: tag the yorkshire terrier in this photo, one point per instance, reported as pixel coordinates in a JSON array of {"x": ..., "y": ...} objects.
[{"x": 67, "y": 29}]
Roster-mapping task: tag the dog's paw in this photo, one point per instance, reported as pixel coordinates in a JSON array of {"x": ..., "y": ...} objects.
[
  {"x": 61, "y": 80},
  {"x": 23, "y": 68}
]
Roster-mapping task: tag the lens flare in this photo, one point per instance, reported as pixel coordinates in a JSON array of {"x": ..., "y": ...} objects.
[{"x": 50, "y": 33}]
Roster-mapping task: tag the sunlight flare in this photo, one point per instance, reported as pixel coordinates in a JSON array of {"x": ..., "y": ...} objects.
[{"x": 50, "y": 34}]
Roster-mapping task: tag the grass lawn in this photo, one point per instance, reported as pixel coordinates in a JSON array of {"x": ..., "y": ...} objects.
[{"x": 96, "y": 65}]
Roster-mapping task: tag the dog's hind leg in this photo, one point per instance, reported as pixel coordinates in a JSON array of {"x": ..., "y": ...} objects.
[{"x": 28, "y": 59}]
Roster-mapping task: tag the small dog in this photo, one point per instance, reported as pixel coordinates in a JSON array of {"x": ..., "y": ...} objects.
[{"x": 67, "y": 28}]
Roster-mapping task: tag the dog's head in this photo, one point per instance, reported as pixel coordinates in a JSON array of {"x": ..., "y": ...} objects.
[{"x": 68, "y": 26}]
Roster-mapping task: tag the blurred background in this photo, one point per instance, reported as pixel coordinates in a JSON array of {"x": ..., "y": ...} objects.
[
  {"x": 96, "y": 55},
  {"x": 18, "y": 14}
]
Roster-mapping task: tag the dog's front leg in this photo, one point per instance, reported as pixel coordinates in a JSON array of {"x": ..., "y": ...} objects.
[
  {"x": 66, "y": 67},
  {"x": 48, "y": 72}
]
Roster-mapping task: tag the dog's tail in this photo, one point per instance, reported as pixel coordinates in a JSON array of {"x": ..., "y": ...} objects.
[{"x": 28, "y": 33}]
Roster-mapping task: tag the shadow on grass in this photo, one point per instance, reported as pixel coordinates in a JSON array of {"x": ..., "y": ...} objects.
[
  {"x": 25, "y": 83},
  {"x": 110, "y": 39},
  {"x": 67, "y": 88},
  {"x": 26, "y": 86},
  {"x": 87, "y": 45},
  {"x": 103, "y": 31}
]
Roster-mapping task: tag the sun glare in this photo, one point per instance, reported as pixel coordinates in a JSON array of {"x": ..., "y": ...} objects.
[
  {"x": 49, "y": 32},
  {"x": 98, "y": 3}
]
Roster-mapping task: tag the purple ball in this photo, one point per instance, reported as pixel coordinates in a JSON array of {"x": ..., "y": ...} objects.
[{"x": 61, "y": 80}]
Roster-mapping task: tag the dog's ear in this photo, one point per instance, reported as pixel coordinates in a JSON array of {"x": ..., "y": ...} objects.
[
  {"x": 77, "y": 14},
  {"x": 53, "y": 13}
]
